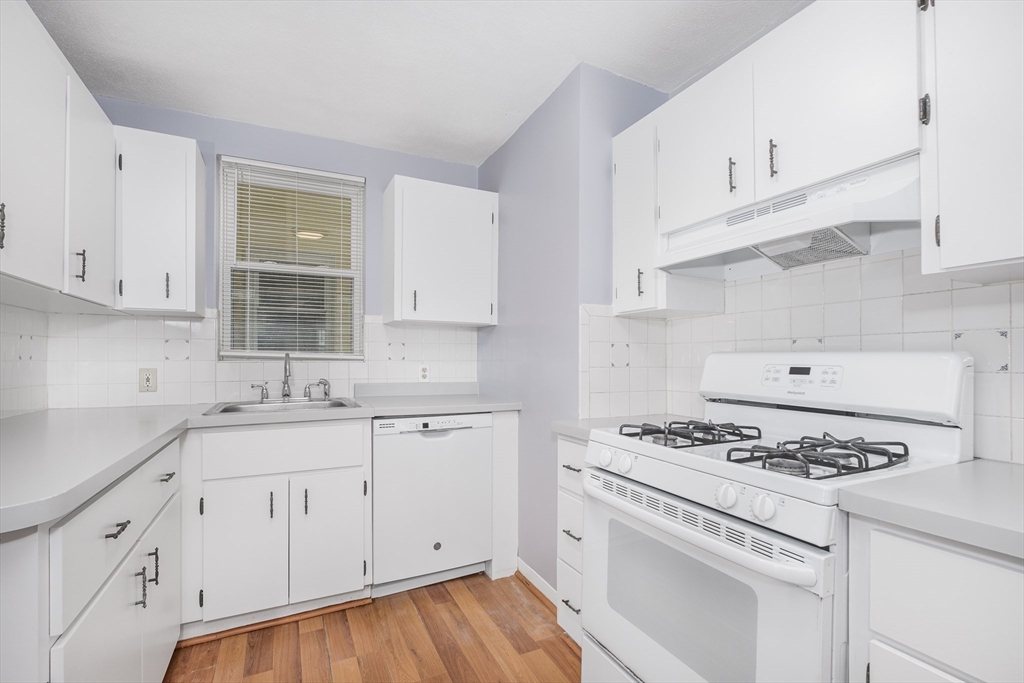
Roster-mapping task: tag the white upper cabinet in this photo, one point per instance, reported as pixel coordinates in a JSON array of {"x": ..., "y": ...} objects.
[
  {"x": 33, "y": 100},
  {"x": 161, "y": 227},
  {"x": 440, "y": 253},
  {"x": 835, "y": 90},
  {"x": 972, "y": 168},
  {"x": 90, "y": 195},
  {"x": 706, "y": 147}
]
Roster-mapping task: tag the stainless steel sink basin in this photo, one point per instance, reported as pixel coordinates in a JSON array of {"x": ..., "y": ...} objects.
[{"x": 280, "y": 406}]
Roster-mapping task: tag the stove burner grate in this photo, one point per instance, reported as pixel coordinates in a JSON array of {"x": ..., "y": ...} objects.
[
  {"x": 677, "y": 434},
  {"x": 838, "y": 457}
]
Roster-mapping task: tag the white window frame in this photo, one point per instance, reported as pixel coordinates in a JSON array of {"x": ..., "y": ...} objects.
[{"x": 359, "y": 327}]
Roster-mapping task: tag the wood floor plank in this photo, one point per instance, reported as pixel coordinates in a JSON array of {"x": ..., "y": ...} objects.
[
  {"x": 339, "y": 637},
  {"x": 438, "y": 593},
  {"x": 401, "y": 663},
  {"x": 264, "y": 677},
  {"x": 346, "y": 670},
  {"x": 416, "y": 637},
  {"x": 526, "y": 608},
  {"x": 287, "y": 657},
  {"x": 485, "y": 592},
  {"x": 544, "y": 668},
  {"x": 202, "y": 656},
  {"x": 493, "y": 638},
  {"x": 373, "y": 668},
  {"x": 440, "y": 678},
  {"x": 178, "y": 668},
  {"x": 311, "y": 624},
  {"x": 259, "y": 651},
  {"x": 454, "y": 660},
  {"x": 202, "y": 675},
  {"x": 472, "y": 645},
  {"x": 231, "y": 660},
  {"x": 563, "y": 657},
  {"x": 315, "y": 663},
  {"x": 364, "y": 629}
]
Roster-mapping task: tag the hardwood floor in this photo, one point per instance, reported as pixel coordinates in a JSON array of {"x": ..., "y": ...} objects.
[{"x": 470, "y": 629}]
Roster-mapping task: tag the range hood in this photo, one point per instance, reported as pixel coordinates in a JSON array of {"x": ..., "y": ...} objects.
[{"x": 821, "y": 223}]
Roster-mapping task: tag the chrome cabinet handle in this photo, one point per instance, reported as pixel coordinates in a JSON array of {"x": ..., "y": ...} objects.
[
  {"x": 156, "y": 565},
  {"x": 639, "y": 286},
  {"x": 82, "y": 254},
  {"x": 414, "y": 299},
  {"x": 771, "y": 157},
  {"x": 572, "y": 469},
  {"x": 167, "y": 477},
  {"x": 305, "y": 503},
  {"x": 938, "y": 234},
  {"x": 144, "y": 584},
  {"x": 732, "y": 186},
  {"x": 167, "y": 285},
  {"x": 572, "y": 535},
  {"x": 569, "y": 605},
  {"x": 121, "y": 526},
  {"x": 271, "y": 504},
  {"x": 3, "y": 223}
]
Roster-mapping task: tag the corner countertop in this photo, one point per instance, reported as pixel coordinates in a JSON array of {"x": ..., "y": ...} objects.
[
  {"x": 978, "y": 503},
  {"x": 580, "y": 429},
  {"x": 53, "y": 461}
]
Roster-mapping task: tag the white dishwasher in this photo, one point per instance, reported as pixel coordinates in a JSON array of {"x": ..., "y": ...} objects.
[{"x": 431, "y": 494}]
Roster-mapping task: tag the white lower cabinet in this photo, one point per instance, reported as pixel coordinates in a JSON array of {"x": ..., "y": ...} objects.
[
  {"x": 245, "y": 545},
  {"x": 128, "y": 631},
  {"x": 570, "y": 600},
  {"x": 569, "y": 578},
  {"x": 889, "y": 665},
  {"x": 326, "y": 544}
]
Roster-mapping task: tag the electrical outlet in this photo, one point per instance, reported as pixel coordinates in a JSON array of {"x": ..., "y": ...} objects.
[
  {"x": 147, "y": 379},
  {"x": 424, "y": 372}
]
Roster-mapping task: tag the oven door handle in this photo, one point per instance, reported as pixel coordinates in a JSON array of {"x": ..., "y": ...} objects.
[{"x": 790, "y": 573}]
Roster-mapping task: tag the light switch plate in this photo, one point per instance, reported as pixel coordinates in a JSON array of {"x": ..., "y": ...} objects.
[
  {"x": 424, "y": 373},
  {"x": 147, "y": 379}
]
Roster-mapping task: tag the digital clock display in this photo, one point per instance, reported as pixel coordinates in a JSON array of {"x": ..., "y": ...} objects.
[{"x": 799, "y": 371}]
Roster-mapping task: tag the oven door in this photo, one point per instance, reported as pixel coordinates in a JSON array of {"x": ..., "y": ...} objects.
[{"x": 679, "y": 592}]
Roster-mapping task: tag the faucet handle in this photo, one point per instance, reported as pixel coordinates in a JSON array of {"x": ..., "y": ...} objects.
[
  {"x": 327, "y": 388},
  {"x": 264, "y": 393}
]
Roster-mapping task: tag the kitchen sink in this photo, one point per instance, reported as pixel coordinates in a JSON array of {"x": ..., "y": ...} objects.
[{"x": 281, "y": 406}]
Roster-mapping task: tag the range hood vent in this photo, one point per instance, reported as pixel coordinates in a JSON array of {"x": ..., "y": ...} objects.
[{"x": 827, "y": 244}]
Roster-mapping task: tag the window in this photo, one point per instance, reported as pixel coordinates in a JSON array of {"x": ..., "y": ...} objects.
[{"x": 291, "y": 262}]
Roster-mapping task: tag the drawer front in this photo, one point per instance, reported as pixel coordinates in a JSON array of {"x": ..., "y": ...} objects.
[
  {"x": 570, "y": 530},
  {"x": 570, "y": 599},
  {"x": 280, "y": 449},
  {"x": 961, "y": 610},
  {"x": 81, "y": 554},
  {"x": 570, "y": 465},
  {"x": 889, "y": 665}
]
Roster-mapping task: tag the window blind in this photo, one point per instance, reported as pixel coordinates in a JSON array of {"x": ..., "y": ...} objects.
[{"x": 291, "y": 262}]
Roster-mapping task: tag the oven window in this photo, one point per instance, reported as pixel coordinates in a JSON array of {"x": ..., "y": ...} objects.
[{"x": 706, "y": 619}]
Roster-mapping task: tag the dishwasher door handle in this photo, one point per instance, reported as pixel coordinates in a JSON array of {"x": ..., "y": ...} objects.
[{"x": 428, "y": 433}]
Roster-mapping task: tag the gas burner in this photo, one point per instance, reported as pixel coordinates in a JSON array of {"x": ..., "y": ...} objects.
[
  {"x": 688, "y": 434},
  {"x": 823, "y": 458}
]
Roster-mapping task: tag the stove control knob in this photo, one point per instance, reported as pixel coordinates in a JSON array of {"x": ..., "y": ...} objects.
[
  {"x": 625, "y": 464},
  {"x": 605, "y": 458},
  {"x": 763, "y": 507},
  {"x": 726, "y": 496}
]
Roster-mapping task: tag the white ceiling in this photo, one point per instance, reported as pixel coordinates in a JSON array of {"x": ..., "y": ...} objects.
[{"x": 449, "y": 80}]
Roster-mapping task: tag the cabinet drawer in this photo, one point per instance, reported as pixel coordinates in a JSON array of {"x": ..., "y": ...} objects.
[
  {"x": 570, "y": 530},
  {"x": 570, "y": 465},
  {"x": 81, "y": 555},
  {"x": 889, "y": 665},
  {"x": 280, "y": 449},
  {"x": 959, "y": 609},
  {"x": 570, "y": 599}
]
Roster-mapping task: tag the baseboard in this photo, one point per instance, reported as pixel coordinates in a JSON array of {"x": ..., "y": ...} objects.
[{"x": 533, "y": 578}]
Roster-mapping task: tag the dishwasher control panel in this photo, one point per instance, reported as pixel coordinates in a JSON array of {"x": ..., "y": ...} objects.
[{"x": 429, "y": 423}]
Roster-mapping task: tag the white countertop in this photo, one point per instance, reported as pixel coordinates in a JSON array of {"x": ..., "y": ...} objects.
[
  {"x": 979, "y": 503},
  {"x": 580, "y": 429},
  {"x": 53, "y": 461}
]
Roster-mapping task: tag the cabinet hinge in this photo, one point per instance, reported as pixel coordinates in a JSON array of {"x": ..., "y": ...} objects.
[
  {"x": 201, "y": 506},
  {"x": 200, "y": 598},
  {"x": 938, "y": 234},
  {"x": 492, "y": 218},
  {"x": 616, "y": 292},
  {"x": 924, "y": 109},
  {"x": 867, "y": 673},
  {"x": 659, "y": 144},
  {"x": 492, "y": 309},
  {"x": 118, "y": 162},
  {"x": 364, "y": 567},
  {"x": 615, "y": 169},
  {"x": 659, "y": 213},
  {"x": 364, "y": 487},
  {"x": 120, "y": 287}
]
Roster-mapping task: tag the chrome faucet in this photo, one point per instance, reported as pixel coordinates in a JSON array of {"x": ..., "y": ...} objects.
[
  {"x": 322, "y": 383},
  {"x": 286, "y": 391}
]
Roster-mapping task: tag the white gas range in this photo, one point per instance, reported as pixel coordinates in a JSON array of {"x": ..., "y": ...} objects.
[{"x": 715, "y": 550}]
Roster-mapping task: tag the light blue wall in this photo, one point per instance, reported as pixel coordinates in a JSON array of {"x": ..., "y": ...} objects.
[
  {"x": 554, "y": 178},
  {"x": 609, "y": 104},
  {"x": 232, "y": 138},
  {"x": 532, "y": 353}
]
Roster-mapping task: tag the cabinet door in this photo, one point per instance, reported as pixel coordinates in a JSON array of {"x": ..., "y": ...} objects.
[
  {"x": 33, "y": 97},
  {"x": 91, "y": 197},
  {"x": 835, "y": 90},
  {"x": 105, "y": 643},
  {"x": 448, "y": 237},
  {"x": 889, "y": 665},
  {"x": 152, "y": 190},
  {"x": 978, "y": 109},
  {"x": 326, "y": 545},
  {"x": 706, "y": 147},
  {"x": 160, "y": 552},
  {"x": 245, "y": 546},
  {"x": 634, "y": 212}
]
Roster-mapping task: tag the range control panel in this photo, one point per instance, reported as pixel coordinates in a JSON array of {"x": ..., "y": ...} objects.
[
  {"x": 803, "y": 376},
  {"x": 430, "y": 423}
]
